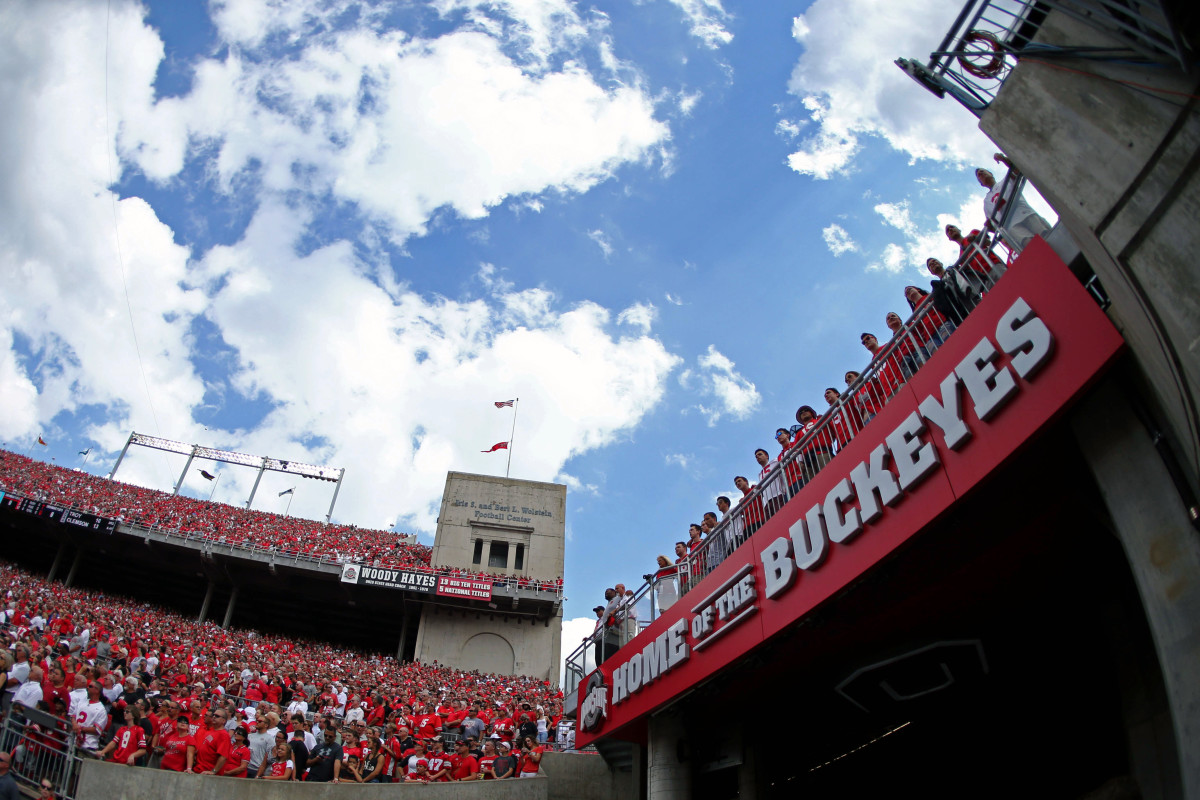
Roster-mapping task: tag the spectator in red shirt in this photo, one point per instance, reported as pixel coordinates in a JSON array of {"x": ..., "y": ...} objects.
[
  {"x": 816, "y": 452},
  {"x": 239, "y": 755},
  {"x": 531, "y": 758},
  {"x": 985, "y": 264},
  {"x": 751, "y": 509},
  {"x": 466, "y": 768},
  {"x": 868, "y": 398},
  {"x": 887, "y": 373},
  {"x": 843, "y": 420},
  {"x": 179, "y": 748},
  {"x": 128, "y": 746},
  {"x": 212, "y": 745},
  {"x": 934, "y": 327}
]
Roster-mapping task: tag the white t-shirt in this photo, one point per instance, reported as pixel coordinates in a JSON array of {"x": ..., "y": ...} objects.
[{"x": 92, "y": 715}]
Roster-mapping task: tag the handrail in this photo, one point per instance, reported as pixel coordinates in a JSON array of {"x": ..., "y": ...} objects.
[{"x": 988, "y": 37}]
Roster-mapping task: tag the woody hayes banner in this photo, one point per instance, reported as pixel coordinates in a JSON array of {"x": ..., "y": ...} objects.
[
  {"x": 389, "y": 578},
  {"x": 1034, "y": 344}
]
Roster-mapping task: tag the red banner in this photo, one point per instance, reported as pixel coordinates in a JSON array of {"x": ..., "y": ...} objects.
[
  {"x": 1033, "y": 345},
  {"x": 466, "y": 588}
]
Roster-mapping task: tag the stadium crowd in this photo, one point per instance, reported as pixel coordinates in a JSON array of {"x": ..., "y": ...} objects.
[
  {"x": 216, "y": 522},
  {"x": 807, "y": 446},
  {"x": 143, "y": 686}
]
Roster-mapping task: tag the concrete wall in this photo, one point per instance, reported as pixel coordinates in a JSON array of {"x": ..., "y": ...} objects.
[
  {"x": 1122, "y": 169},
  {"x": 490, "y": 641},
  {"x": 1165, "y": 562},
  {"x": 580, "y": 776},
  {"x": 101, "y": 781},
  {"x": 515, "y": 512}
]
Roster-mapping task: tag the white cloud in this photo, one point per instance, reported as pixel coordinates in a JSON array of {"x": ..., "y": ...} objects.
[
  {"x": 489, "y": 276},
  {"x": 673, "y": 300},
  {"x": 838, "y": 240},
  {"x": 574, "y": 631},
  {"x": 893, "y": 260},
  {"x": 687, "y": 101},
  {"x": 602, "y": 241},
  {"x": 345, "y": 363},
  {"x": 898, "y": 215},
  {"x": 575, "y": 485},
  {"x": 706, "y": 19},
  {"x": 719, "y": 378},
  {"x": 540, "y": 27},
  {"x": 68, "y": 251},
  {"x": 787, "y": 128},
  {"x": 410, "y": 387},
  {"x": 920, "y": 240},
  {"x": 678, "y": 459},
  {"x": 851, "y": 89},
  {"x": 398, "y": 125},
  {"x": 639, "y": 315}
]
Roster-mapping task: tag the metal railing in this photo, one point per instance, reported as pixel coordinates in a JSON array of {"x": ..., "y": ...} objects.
[
  {"x": 138, "y": 525},
  {"x": 963, "y": 285},
  {"x": 989, "y": 37},
  {"x": 43, "y": 748}
]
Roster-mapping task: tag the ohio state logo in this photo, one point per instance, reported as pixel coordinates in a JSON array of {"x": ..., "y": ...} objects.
[{"x": 594, "y": 707}]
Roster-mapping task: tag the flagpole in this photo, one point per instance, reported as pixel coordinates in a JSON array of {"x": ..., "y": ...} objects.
[
  {"x": 214, "y": 489},
  {"x": 86, "y": 456},
  {"x": 512, "y": 435},
  {"x": 291, "y": 494}
]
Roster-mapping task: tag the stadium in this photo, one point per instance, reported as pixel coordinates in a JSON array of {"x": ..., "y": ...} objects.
[{"x": 975, "y": 573}]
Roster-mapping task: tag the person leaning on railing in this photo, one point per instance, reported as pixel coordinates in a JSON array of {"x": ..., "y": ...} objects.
[
  {"x": 814, "y": 440},
  {"x": 1023, "y": 222},
  {"x": 843, "y": 421},
  {"x": 954, "y": 293},
  {"x": 973, "y": 254},
  {"x": 866, "y": 400},
  {"x": 909, "y": 353},
  {"x": 888, "y": 374},
  {"x": 935, "y": 328}
]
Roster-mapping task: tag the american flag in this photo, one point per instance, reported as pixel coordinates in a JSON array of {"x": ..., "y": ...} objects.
[{"x": 504, "y": 403}]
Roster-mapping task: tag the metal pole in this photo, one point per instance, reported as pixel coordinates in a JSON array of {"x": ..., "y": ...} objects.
[
  {"x": 207, "y": 602},
  {"x": 216, "y": 480},
  {"x": 338, "y": 488},
  {"x": 229, "y": 608},
  {"x": 403, "y": 634},
  {"x": 183, "y": 474},
  {"x": 121, "y": 457},
  {"x": 58, "y": 559},
  {"x": 261, "y": 470},
  {"x": 74, "y": 568},
  {"x": 512, "y": 435},
  {"x": 291, "y": 494}
]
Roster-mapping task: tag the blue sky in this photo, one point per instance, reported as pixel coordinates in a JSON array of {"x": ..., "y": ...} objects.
[{"x": 336, "y": 231}]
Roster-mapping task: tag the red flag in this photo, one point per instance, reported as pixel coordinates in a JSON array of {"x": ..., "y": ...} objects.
[
  {"x": 504, "y": 403},
  {"x": 496, "y": 446},
  {"x": 42, "y": 442}
]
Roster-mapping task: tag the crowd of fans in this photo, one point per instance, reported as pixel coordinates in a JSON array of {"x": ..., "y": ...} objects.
[
  {"x": 806, "y": 447},
  {"x": 224, "y": 524},
  {"x": 143, "y": 686}
]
